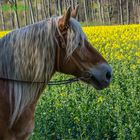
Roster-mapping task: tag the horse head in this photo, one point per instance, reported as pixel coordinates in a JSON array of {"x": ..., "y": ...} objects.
[{"x": 76, "y": 56}]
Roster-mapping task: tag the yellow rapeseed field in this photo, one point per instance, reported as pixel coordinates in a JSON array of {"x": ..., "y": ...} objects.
[
  {"x": 2, "y": 33},
  {"x": 116, "y": 42}
]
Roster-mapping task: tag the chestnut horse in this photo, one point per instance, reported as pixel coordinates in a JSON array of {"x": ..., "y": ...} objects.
[{"x": 34, "y": 53}]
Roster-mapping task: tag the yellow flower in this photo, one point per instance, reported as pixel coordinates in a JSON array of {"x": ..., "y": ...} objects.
[
  {"x": 63, "y": 94},
  {"x": 133, "y": 67},
  {"x": 3, "y": 33},
  {"x": 100, "y": 99}
]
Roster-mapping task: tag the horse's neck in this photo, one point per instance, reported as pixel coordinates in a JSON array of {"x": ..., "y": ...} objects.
[
  {"x": 42, "y": 89},
  {"x": 4, "y": 89}
]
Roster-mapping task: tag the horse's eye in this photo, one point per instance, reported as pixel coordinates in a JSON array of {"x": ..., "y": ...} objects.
[{"x": 79, "y": 44}]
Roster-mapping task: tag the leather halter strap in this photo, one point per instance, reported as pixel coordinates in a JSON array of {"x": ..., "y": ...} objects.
[
  {"x": 79, "y": 65},
  {"x": 61, "y": 44},
  {"x": 58, "y": 58}
]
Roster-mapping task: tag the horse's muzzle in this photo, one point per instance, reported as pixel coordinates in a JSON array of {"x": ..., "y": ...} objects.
[{"x": 99, "y": 76}]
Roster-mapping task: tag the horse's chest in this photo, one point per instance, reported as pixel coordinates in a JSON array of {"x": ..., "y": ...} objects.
[
  {"x": 25, "y": 130},
  {"x": 25, "y": 124}
]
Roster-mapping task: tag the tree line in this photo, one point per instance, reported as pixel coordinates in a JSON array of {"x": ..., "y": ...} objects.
[{"x": 18, "y": 13}]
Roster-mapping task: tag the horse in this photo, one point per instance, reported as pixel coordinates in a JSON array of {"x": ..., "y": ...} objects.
[{"x": 33, "y": 54}]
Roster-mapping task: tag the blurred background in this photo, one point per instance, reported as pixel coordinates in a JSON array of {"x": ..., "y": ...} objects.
[{"x": 18, "y": 13}]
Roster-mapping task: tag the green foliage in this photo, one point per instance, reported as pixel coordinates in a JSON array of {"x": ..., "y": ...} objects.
[{"x": 79, "y": 112}]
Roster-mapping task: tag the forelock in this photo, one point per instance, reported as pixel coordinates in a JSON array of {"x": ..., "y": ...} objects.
[{"x": 74, "y": 37}]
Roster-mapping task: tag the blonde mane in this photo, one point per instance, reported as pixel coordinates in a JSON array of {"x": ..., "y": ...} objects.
[{"x": 28, "y": 54}]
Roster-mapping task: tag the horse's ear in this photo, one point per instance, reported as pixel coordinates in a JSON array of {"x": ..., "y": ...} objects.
[
  {"x": 64, "y": 21},
  {"x": 75, "y": 11}
]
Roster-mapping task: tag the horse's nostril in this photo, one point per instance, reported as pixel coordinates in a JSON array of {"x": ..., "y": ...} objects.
[{"x": 108, "y": 75}]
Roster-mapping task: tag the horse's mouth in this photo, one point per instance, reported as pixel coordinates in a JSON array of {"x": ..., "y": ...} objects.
[{"x": 92, "y": 80}]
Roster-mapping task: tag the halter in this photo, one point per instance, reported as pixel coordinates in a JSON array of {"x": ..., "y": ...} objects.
[{"x": 62, "y": 45}]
